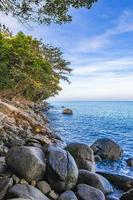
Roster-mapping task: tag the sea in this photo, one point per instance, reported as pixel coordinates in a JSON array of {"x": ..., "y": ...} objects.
[{"x": 92, "y": 120}]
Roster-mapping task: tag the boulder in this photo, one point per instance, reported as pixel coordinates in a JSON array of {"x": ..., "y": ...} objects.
[
  {"x": 62, "y": 171},
  {"x": 130, "y": 162},
  {"x": 25, "y": 191},
  {"x": 86, "y": 192},
  {"x": 123, "y": 182},
  {"x": 127, "y": 196},
  {"x": 83, "y": 155},
  {"x": 107, "y": 149},
  {"x": 95, "y": 180},
  {"x": 27, "y": 162},
  {"x": 68, "y": 195},
  {"x": 44, "y": 187},
  {"x": 67, "y": 111},
  {"x": 5, "y": 184}
]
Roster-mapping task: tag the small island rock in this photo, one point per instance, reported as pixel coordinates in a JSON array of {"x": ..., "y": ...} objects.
[
  {"x": 67, "y": 111},
  {"x": 107, "y": 149}
]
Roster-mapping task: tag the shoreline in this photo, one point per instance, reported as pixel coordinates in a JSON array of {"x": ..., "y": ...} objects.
[{"x": 25, "y": 133}]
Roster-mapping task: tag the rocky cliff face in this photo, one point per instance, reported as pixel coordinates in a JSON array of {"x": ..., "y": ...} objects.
[{"x": 23, "y": 122}]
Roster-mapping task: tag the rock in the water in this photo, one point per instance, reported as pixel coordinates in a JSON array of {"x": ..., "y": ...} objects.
[
  {"x": 27, "y": 162},
  {"x": 25, "y": 191},
  {"x": 67, "y": 111},
  {"x": 62, "y": 171},
  {"x": 83, "y": 155},
  {"x": 107, "y": 149},
  {"x": 95, "y": 180},
  {"x": 68, "y": 195},
  {"x": 121, "y": 181},
  {"x": 130, "y": 162},
  {"x": 127, "y": 196},
  {"x": 86, "y": 192},
  {"x": 5, "y": 184},
  {"x": 44, "y": 187}
]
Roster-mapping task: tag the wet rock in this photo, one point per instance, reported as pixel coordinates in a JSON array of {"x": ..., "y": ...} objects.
[
  {"x": 68, "y": 195},
  {"x": 127, "y": 196},
  {"x": 111, "y": 198},
  {"x": 121, "y": 181},
  {"x": 44, "y": 187},
  {"x": 67, "y": 111},
  {"x": 27, "y": 162},
  {"x": 62, "y": 171},
  {"x": 25, "y": 191},
  {"x": 95, "y": 180},
  {"x": 85, "y": 192},
  {"x": 107, "y": 149},
  {"x": 83, "y": 155},
  {"x": 130, "y": 162},
  {"x": 5, "y": 184}
]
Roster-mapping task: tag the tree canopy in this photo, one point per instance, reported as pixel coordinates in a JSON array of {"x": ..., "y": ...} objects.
[
  {"x": 43, "y": 11},
  {"x": 30, "y": 68}
]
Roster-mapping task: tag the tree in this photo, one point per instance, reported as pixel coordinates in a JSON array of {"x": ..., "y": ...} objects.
[
  {"x": 30, "y": 68},
  {"x": 43, "y": 11}
]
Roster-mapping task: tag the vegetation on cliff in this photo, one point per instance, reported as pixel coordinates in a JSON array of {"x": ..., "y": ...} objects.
[{"x": 30, "y": 68}]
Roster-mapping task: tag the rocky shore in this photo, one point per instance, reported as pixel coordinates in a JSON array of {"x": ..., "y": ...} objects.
[{"x": 33, "y": 166}]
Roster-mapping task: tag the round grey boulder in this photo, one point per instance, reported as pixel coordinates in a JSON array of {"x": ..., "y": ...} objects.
[
  {"x": 95, "y": 180},
  {"x": 107, "y": 149},
  {"x": 86, "y": 192},
  {"x": 27, "y": 162},
  {"x": 68, "y": 195},
  {"x": 62, "y": 171},
  {"x": 83, "y": 155},
  {"x": 25, "y": 192}
]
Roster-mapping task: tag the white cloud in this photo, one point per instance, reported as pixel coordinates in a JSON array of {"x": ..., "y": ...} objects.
[{"x": 123, "y": 25}]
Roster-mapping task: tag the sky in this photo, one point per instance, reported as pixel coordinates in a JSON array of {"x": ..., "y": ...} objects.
[{"x": 99, "y": 44}]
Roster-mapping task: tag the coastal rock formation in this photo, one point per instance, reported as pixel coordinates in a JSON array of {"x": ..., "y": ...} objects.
[
  {"x": 68, "y": 195},
  {"x": 62, "y": 171},
  {"x": 25, "y": 191},
  {"x": 127, "y": 196},
  {"x": 67, "y": 111},
  {"x": 107, "y": 149},
  {"x": 83, "y": 155},
  {"x": 95, "y": 180},
  {"x": 121, "y": 181},
  {"x": 27, "y": 162},
  {"x": 85, "y": 192}
]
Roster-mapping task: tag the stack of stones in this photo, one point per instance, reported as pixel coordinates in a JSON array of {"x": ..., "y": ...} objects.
[{"x": 51, "y": 172}]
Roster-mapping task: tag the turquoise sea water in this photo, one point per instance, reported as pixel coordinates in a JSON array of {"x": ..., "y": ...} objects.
[{"x": 93, "y": 120}]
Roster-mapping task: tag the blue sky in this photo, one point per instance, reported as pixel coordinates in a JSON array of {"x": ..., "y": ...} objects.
[{"x": 99, "y": 44}]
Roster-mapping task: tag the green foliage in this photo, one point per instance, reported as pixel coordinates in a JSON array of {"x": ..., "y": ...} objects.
[
  {"x": 43, "y": 11},
  {"x": 30, "y": 68}
]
